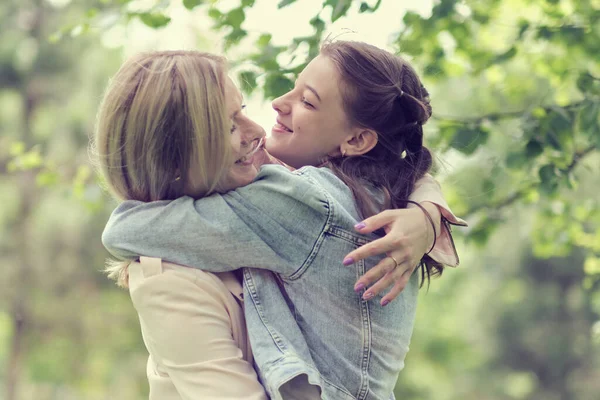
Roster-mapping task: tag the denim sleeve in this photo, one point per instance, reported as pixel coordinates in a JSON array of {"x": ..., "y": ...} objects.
[{"x": 274, "y": 223}]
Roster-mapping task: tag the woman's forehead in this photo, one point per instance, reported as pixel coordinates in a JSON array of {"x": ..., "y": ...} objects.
[
  {"x": 322, "y": 76},
  {"x": 233, "y": 96}
]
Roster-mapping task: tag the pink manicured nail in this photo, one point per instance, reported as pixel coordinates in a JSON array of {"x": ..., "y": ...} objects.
[
  {"x": 360, "y": 225},
  {"x": 385, "y": 303},
  {"x": 359, "y": 287},
  {"x": 368, "y": 296},
  {"x": 348, "y": 261}
]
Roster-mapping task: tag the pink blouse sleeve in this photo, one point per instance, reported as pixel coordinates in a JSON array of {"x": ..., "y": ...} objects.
[{"x": 427, "y": 189}]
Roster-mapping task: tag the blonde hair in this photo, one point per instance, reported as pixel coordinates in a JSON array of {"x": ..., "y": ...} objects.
[{"x": 162, "y": 114}]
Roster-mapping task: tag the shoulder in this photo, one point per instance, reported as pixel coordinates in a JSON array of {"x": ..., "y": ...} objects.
[
  {"x": 166, "y": 284},
  {"x": 277, "y": 188}
]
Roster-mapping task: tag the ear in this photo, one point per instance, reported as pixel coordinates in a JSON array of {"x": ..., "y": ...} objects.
[{"x": 361, "y": 142}]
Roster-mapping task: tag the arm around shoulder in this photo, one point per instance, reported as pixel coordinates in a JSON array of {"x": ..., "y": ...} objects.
[{"x": 272, "y": 223}]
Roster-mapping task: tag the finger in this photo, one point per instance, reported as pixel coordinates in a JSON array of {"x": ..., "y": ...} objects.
[
  {"x": 377, "y": 272},
  {"x": 396, "y": 289},
  {"x": 380, "y": 285},
  {"x": 375, "y": 222},
  {"x": 376, "y": 247}
]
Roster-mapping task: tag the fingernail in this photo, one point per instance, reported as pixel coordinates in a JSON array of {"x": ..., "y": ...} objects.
[
  {"x": 359, "y": 287},
  {"x": 360, "y": 225},
  {"x": 385, "y": 303},
  {"x": 348, "y": 261},
  {"x": 368, "y": 296}
]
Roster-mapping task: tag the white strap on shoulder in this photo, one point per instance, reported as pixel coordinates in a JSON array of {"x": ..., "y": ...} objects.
[{"x": 151, "y": 266}]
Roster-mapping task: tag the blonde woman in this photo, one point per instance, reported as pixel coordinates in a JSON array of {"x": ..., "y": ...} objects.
[
  {"x": 171, "y": 126},
  {"x": 169, "y": 112}
]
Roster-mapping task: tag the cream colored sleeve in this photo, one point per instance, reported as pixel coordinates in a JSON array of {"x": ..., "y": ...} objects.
[
  {"x": 187, "y": 330},
  {"x": 428, "y": 189}
]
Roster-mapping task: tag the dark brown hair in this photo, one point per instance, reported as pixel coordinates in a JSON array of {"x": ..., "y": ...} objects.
[{"x": 382, "y": 92}]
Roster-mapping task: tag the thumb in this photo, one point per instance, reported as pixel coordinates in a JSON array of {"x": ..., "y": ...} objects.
[{"x": 375, "y": 222}]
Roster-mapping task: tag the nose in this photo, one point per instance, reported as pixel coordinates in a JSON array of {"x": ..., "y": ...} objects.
[
  {"x": 281, "y": 105},
  {"x": 251, "y": 132}
]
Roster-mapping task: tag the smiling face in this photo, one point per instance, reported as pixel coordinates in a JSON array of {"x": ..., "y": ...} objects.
[
  {"x": 311, "y": 123},
  {"x": 245, "y": 135}
]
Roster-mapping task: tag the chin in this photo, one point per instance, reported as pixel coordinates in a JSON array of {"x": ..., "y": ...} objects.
[
  {"x": 280, "y": 150},
  {"x": 235, "y": 179},
  {"x": 243, "y": 179}
]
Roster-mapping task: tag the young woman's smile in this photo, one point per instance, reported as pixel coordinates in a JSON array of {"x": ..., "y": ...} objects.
[{"x": 311, "y": 122}]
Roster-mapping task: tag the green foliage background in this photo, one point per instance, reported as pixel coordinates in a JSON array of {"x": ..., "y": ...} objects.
[{"x": 516, "y": 94}]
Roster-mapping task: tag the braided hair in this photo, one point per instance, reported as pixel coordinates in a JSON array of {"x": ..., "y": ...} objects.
[{"x": 382, "y": 92}]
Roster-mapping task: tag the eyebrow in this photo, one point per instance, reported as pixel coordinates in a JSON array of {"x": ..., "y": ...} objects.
[
  {"x": 312, "y": 89},
  {"x": 235, "y": 113}
]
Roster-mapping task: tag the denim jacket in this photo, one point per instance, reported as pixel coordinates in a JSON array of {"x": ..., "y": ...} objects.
[{"x": 305, "y": 322}]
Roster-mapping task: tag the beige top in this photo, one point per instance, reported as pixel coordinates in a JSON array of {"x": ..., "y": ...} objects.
[{"x": 193, "y": 326}]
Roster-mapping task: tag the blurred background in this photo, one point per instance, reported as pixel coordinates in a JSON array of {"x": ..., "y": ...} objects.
[{"x": 515, "y": 86}]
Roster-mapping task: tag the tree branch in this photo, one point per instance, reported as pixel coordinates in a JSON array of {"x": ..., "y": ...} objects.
[
  {"x": 517, "y": 195},
  {"x": 500, "y": 115},
  {"x": 578, "y": 156}
]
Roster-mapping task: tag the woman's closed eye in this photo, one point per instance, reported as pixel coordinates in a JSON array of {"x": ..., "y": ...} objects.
[{"x": 306, "y": 103}]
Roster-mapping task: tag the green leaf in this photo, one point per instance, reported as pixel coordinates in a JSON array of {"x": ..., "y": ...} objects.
[
  {"x": 26, "y": 161},
  {"x": 534, "y": 148},
  {"x": 247, "y": 81},
  {"x": 154, "y": 20},
  {"x": 443, "y": 9},
  {"x": 91, "y": 13},
  {"x": 585, "y": 82},
  {"x": 507, "y": 55},
  {"x": 523, "y": 27},
  {"x": 190, "y": 4},
  {"x": 434, "y": 69},
  {"x": 411, "y": 18},
  {"x": 47, "y": 178},
  {"x": 545, "y": 32},
  {"x": 589, "y": 119},
  {"x": 215, "y": 14},
  {"x": 235, "y": 17},
  {"x": 559, "y": 127},
  {"x": 284, "y": 3},
  {"x": 516, "y": 160},
  {"x": 16, "y": 149},
  {"x": 264, "y": 40},
  {"x": 318, "y": 24},
  {"x": 467, "y": 140},
  {"x": 277, "y": 84},
  {"x": 364, "y": 7},
  {"x": 488, "y": 187},
  {"x": 340, "y": 8},
  {"x": 234, "y": 37},
  {"x": 549, "y": 178},
  {"x": 480, "y": 17}
]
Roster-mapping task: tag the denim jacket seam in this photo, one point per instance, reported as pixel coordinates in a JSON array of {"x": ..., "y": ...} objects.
[
  {"x": 321, "y": 238},
  {"x": 348, "y": 236},
  {"x": 341, "y": 389},
  {"x": 366, "y": 347},
  {"x": 249, "y": 283}
]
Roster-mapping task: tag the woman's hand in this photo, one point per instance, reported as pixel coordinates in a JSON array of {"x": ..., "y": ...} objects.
[{"x": 409, "y": 235}]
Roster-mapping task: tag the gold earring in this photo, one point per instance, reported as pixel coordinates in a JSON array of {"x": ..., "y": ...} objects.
[{"x": 343, "y": 153}]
